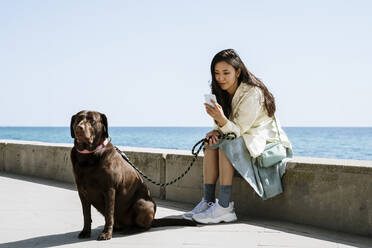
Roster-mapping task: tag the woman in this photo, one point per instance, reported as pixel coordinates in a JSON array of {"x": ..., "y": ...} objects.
[{"x": 246, "y": 108}]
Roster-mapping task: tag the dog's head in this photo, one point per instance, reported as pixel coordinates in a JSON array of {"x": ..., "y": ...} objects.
[{"x": 89, "y": 129}]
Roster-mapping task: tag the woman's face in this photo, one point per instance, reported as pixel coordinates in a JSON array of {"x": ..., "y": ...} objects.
[{"x": 226, "y": 76}]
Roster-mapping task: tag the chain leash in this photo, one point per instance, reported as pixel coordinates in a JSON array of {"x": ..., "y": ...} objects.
[{"x": 199, "y": 144}]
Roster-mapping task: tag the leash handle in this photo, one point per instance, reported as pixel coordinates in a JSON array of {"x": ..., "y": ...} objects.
[{"x": 227, "y": 136}]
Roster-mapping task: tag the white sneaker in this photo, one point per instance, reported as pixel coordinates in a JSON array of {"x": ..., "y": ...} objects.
[
  {"x": 216, "y": 214},
  {"x": 202, "y": 206}
]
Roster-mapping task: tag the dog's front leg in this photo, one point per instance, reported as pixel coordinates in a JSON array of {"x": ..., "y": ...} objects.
[
  {"x": 85, "y": 233},
  {"x": 109, "y": 215}
]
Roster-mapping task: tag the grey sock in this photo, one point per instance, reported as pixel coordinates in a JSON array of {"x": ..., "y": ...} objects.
[
  {"x": 209, "y": 192},
  {"x": 224, "y": 195}
]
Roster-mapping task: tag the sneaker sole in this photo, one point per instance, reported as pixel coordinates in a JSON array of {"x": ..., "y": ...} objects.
[
  {"x": 187, "y": 217},
  {"x": 226, "y": 218}
]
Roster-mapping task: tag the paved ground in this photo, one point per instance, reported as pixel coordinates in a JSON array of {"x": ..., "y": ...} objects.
[{"x": 42, "y": 213}]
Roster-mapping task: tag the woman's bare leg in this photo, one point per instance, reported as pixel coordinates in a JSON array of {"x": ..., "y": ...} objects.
[
  {"x": 210, "y": 166},
  {"x": 226, "y": 170}
]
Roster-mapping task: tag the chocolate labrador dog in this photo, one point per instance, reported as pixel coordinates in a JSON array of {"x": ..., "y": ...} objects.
[{"x": 109, "y": 183}]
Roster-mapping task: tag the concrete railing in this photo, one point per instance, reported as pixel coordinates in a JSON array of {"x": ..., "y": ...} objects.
[{"x": 330, "y": 193}]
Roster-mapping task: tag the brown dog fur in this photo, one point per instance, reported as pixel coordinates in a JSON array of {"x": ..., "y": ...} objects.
[{"x": 106, "y": 181}]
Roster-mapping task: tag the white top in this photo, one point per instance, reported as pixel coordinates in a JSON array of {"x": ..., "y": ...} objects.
[{"x": 249, "y": 119}]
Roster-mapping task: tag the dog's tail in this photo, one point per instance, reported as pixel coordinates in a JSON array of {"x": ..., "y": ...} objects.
[{"x": 172, "y": 222}]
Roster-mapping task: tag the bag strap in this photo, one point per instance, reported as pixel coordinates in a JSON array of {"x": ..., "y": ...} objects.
[{"x": 277, "y": 129}]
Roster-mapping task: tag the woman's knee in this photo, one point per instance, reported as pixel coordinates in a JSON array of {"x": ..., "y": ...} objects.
[{"x": 210, "y": 153}]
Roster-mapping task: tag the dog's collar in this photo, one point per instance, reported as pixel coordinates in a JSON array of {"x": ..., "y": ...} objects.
[{"x": 101, "y": 146}]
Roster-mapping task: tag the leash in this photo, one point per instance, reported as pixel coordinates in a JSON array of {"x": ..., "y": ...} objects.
[{"x": 200, "y": 143}]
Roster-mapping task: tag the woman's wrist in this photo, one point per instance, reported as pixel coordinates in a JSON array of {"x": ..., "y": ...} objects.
[{"x": 222, "y": 122}]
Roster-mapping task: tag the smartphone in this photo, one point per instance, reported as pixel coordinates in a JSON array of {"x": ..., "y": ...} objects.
[{"x": 208, "y": 98}]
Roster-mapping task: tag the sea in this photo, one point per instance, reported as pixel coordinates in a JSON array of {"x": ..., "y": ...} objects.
[{"x": 321, "y": 142}]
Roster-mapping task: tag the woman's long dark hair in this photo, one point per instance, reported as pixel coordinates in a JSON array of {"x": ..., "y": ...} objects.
[{"x": 223, "y": 97}]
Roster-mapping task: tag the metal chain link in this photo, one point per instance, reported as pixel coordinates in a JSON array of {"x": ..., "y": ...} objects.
[{"x": 200, "y": 143}]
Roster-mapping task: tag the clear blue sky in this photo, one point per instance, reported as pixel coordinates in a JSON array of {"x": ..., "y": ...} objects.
[{"x": 146, "y": 63}]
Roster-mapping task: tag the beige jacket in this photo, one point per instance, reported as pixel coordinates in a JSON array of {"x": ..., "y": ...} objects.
[{"x": 249, "y": 119}]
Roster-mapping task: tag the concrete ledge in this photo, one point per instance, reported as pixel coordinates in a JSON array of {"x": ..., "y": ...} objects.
[
  {"x": 331, "y": 193},
  {"x": 45, "y": 160}
]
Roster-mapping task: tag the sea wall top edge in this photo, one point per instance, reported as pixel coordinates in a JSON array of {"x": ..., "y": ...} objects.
[{"x": 296, "y": 159}]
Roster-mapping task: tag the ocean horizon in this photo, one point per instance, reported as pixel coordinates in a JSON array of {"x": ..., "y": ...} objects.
[{"x": 322, "y": 142}]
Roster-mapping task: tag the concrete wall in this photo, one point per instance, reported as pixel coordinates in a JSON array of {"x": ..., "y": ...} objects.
[{"x": 330, "y": 193}]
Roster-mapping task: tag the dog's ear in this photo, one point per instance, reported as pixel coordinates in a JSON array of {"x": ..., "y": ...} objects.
[
  {"x": 105, "y": 127},
  {"x": 71, "y": 126}
]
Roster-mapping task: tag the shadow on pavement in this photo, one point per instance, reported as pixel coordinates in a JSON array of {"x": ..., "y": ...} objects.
[
  {"x": 50, "y": 240},
  {"x": 311, "y": 232},
  {"x": 72, "y": 237}
]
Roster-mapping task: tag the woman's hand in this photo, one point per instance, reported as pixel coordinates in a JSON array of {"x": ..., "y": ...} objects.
[
  {"x": 216, "y": 113},
  {"x": 212, "y": 137}
]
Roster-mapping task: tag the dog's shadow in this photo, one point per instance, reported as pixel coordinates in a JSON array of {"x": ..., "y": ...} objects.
[
  {"x": 72, "y": 237},
  {"x": 134, "y": 231}
]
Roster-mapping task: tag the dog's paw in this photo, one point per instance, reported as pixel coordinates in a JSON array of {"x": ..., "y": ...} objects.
[
  {"x": 105, "y": 236},
  {"x": 84, "y": 234}
]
